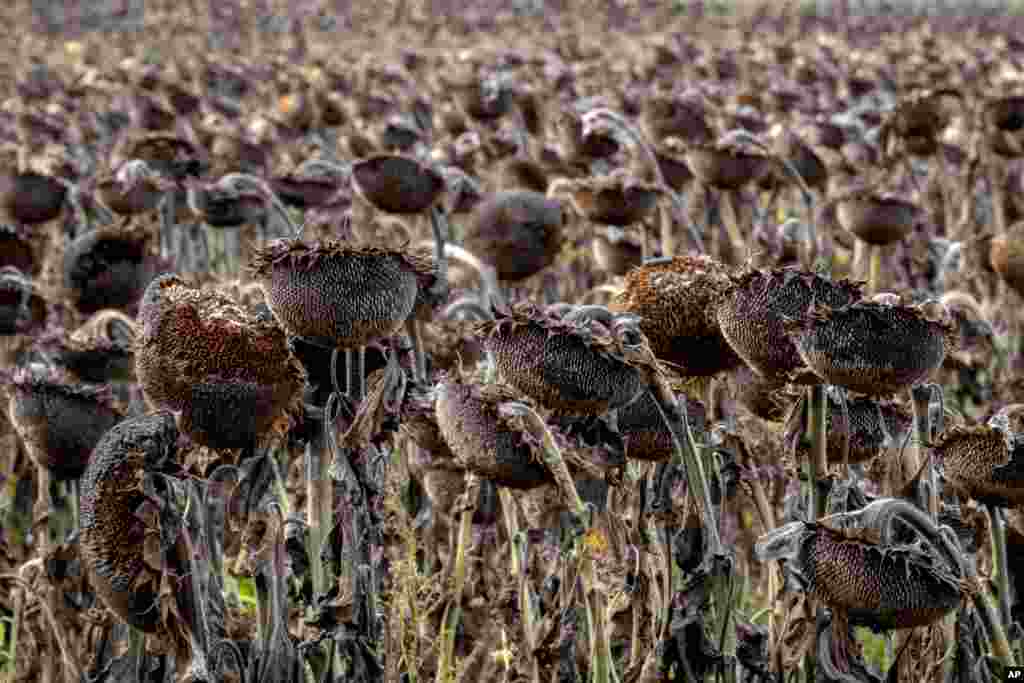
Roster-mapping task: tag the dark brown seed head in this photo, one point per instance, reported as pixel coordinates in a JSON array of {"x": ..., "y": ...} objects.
[
  {"x": 518, "y": 172},
  {"x": 133, "y": 189},
  {"x": 753, "y": 313},
  {"x": 22, "y": 309},
  {"x": 304, "y": 192},
  {"x": 167, "y": 154},
  {"x": 877, "y": 219},
  {"x": 881, "y": 587},
  {"x": 338, "y": 295},
  {"x": 29, "y": 197},
  {"x": 481, "y": 439},
  {"x": 101, "y": 350},
  {"x": 59, "y": 419},
  {"x": 113, "y": 535},
  {"x": 667, "y": 115},
  {"x": 229, "y": 372},
  {"x": 676, "y": 304},
  {"x": 397, "y": 184},
  {"x": 673, "y": 166},
  {"x": 16, "y": 250},
  {"x": 918, "y": 121},
  {"x": 643, "y": 429},
  {"x": 108, "y": 267},
  {"x": 578, "y": 148},
  {"x": 869, "y": 421},
  {"x": 982, "y": 462},
  {"x": 1004, "y": 120},
  {"x": 725, "y": 167},
  {"x": 788, "y": 145},
  {"x": 566, "y": 367},
  {"x": 874, "y": 348},
  {"x": 518, "y": 232},
  {"x": 225, "y": 207},
  {"x": 616, "y": 199}
]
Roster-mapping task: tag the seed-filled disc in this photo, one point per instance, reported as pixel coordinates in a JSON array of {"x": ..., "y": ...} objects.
[
  {"x": 752, "y": 317},
  {"x": 480, "y": 437},
  {"x": 518, "y": 232},
  {"x": 874, "y": 348},
  {"x": 112, "y": 535},
  {"x": 337, "y": 295},
  {"x": 983, "y": 463},
  {"x": 566, "y": 367},
  {"x": 228, "y": 371},
  {"x": 676, "y": 303},
  {"x": 882, "y": 587},
  {"x": 108, "y": 268},
  {"x": 59, "y": 420}
]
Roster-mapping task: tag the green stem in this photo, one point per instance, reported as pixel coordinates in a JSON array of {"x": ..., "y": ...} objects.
[
  {"x": 874, "y": 268},
  {"x": 817, "y": 464},
  {"x": 453, "y": 612},
  {"x": 999, "y": 556},
  {"x": 319, "y": 506}
]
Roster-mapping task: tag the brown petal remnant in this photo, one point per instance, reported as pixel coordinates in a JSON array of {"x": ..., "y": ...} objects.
[
  {"x": 482, "y": 439},
  {"x": 753, "y": 314},
  {"x": 227, "y": 371},
  {"x": 984, "y": 462},
  {"x": 338, "y": 295},
  {"x": 397, "y": 184},
  {"x": 869, "y": 422},
  {"x": 676, "y": 303},
  {"x": 112, "y": 532},
  {"x": 108, "y": 267},
  {"x": 59, "y": 419},
  {"x": 873, "y": 347},
  {"x": 518, "y": 232},
  {"x": 572, "y": 368},
  {"x": 876, "y": 219},
  {"x": 30, "y": 198}
]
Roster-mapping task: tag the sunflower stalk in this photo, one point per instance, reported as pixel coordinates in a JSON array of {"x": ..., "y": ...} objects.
[
  {"x": 453, "y": 612},
  {"x": 607, "y": 120}
]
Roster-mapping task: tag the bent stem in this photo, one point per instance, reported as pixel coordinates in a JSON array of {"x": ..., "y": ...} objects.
[
  {"x": 233, "y": 180},
  {"x": 453, "y": 612},
  {"x": 55, "y": 627},
  {"x": 607, "y": 120}
]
